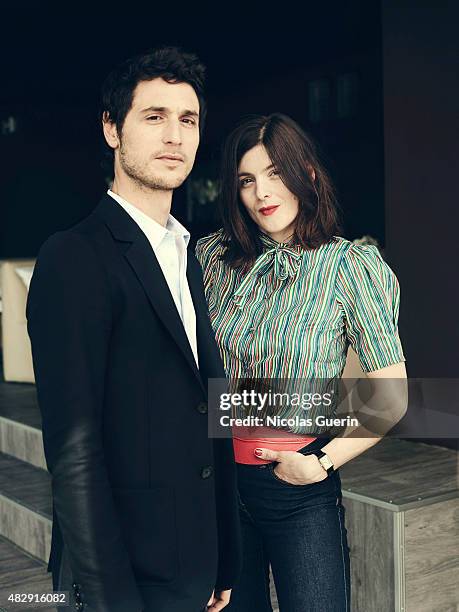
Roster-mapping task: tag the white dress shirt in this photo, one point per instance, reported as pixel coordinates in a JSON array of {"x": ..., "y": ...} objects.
[{"x": 169, "y": 244}]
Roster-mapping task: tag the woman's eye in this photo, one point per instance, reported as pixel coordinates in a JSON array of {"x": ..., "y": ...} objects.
[
  {"x": 244, "y": 182},
  {"x": 274, "y": 173}
]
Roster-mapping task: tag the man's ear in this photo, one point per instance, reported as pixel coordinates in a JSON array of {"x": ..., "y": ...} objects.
[{"x": 110, "y": 131}]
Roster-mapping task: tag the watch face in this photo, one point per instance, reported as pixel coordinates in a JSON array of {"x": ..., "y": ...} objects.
[{"x": 326, "y": 462}]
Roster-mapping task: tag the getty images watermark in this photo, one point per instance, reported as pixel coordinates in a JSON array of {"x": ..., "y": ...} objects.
[
  {"x": 268, "y": 404},
  {"x": 367, "y": 407}
]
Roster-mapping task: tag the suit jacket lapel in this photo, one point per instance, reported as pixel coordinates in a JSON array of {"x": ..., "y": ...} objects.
[
  {"x": 149, "y": 273},
  {"x": 199, "y": 302},
  {"x": 210, "y": 363},
  {"x": 143, "y": 261}
]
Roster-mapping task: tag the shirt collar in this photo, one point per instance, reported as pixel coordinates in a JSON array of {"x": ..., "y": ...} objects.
[
  {"x": 282, "y": 258},
  {"x": 153, "y": 230},
  {"x": 270, "y": 243}
]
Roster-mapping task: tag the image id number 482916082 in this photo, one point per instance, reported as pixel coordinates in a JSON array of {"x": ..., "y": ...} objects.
[{"x": 34, "y": 600}]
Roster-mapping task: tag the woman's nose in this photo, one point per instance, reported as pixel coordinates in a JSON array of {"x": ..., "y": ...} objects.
[{"x": 262, "y": 191}]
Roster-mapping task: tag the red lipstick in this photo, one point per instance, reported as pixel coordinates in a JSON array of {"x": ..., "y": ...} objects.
[{"x": 268, "y": 210}]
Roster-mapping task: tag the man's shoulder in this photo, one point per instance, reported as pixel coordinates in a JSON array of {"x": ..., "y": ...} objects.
[{"x": 77, "y": 241}]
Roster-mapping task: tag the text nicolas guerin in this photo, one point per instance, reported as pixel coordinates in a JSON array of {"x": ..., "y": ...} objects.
[{"x": 293, "y": 421}]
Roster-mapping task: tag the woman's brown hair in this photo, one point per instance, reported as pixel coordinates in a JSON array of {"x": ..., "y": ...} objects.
[{"x": 294, "y": 156}]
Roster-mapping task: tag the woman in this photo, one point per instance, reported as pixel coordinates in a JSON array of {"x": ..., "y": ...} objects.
[{"x": 286, "y": 297}]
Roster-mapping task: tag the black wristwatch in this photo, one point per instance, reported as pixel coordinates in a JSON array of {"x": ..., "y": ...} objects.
[{"x": 325, "y": 461}]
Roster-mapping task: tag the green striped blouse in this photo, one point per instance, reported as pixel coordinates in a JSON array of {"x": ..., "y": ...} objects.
[{"x": 295, "y": 312}]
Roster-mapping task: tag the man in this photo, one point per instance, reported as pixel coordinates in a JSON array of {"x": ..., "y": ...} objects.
[{"x": 145, "y": 512}]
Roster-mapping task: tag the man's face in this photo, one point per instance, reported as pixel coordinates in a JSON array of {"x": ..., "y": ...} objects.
[{"x": 160, "y": 135}]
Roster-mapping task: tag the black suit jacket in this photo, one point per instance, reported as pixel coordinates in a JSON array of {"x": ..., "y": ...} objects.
[{"x": 143, "y": 500}]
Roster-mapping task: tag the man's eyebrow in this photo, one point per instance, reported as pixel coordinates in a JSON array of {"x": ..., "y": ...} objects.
[
  {"x": 164, "y": 109},
  {"x": 159, "y": 109},
  {"x": 192, "y": 113},
  {"x": 250, "y": 174}
]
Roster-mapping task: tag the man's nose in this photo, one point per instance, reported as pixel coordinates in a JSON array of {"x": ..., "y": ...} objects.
[{"x": 171, "y": 133}]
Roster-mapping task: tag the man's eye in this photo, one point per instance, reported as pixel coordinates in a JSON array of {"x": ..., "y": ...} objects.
[
  {"x": 189, "y": 121},
  {"x": 153, "y": 117}
]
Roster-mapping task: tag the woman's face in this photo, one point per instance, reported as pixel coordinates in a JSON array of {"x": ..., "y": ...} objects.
[{"x": 268, "y": 201}]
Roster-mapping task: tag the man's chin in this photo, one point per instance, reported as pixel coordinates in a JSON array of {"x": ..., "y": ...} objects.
[{"x": 168, "y": 182}]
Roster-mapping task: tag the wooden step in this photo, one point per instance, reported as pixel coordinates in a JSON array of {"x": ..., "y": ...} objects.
[
  {"x": 21, "y": 573},
  {"x": 20, "y": 424},
  {"x": 25, "y": 506}
]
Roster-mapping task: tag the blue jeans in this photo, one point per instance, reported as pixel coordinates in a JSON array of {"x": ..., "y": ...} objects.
[{"x": 298, "y": 530}]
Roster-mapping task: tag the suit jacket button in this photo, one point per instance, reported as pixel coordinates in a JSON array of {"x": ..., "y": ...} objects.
[
  {"x": 202, "y": 408},
  {"x": 206, "y": 472}
]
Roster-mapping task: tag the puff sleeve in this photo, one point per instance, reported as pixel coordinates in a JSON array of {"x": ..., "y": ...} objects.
[
  {"x": 208, "y": 251},
  {"x": 369, "y": 294}
]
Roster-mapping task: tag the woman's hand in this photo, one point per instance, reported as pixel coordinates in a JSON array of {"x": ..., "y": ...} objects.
[
  {"x": 293, "y": 467},
  {"x": 218, "y": 600}
]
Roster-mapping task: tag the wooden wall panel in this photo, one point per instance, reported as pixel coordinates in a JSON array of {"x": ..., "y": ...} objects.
[
  {"x": 432, "y": 557},
  {"x": 370, "y": 537}
]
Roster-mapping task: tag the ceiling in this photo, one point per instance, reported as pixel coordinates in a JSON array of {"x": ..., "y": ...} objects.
[{"x": 51, "y": 53}]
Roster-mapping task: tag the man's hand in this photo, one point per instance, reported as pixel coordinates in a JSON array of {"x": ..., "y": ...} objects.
[
  {"x": 218, "y": 600},
  {"x": 293, "y": 467}
]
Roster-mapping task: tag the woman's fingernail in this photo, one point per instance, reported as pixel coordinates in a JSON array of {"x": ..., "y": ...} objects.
[{"x": 258, "y": 452}]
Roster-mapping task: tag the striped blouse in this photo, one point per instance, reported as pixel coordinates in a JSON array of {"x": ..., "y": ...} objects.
[{"x": 295, "y": 312}]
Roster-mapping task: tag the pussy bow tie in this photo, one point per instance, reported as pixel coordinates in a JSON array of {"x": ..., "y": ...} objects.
[{"x": 283, "y": 260}]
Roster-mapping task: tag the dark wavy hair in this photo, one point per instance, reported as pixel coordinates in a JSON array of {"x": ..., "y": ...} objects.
[
  {"x": 294, "y": 156},
  {"x": 169, "y": 63}
]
